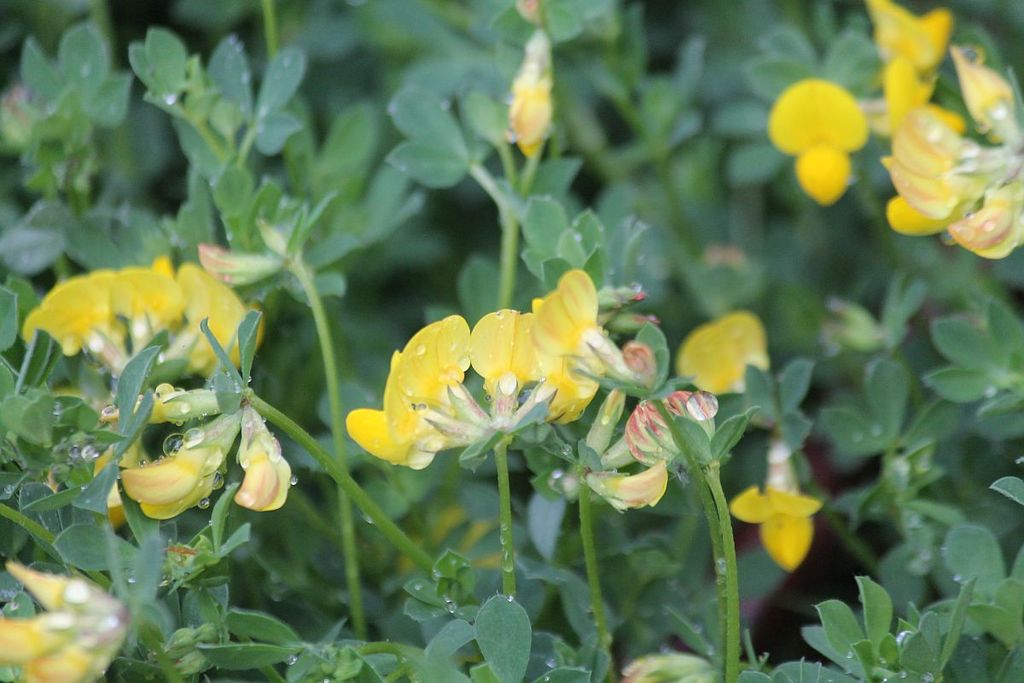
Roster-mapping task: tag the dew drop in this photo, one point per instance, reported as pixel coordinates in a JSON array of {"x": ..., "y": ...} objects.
[
  {"x": 294, "y": 480},
  {"x": 218, "y": 481},
  {"x": 172, "y": 444},
  {"x": 204, "y": 503},
  {"x": 291, "y": 659}
]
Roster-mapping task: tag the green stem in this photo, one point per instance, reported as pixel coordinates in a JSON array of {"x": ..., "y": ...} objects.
[
  {"x": 593, "y": 580},
  {"x": 270, "y": 27},
  {"x": 348, "y": 532},
  {"x": 713, "y": 515},
  {"x": 731, "y": 576},
  {"x": 508, "y": 164},
  {"x": 509, "y": 235},
  {"x": 508, "y": 551},
  {"x": 530, "y": 171},
  {"x": 345, "y": 482}
]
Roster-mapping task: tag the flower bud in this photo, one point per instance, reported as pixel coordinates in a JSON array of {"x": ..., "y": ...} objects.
[
  {"x": 627, "y": 491},
  {"x": 629, "y": 323},
  {"x": 272, "y": 237},
  {"x": 529, "y": 116},
  {"x": 995, "y": 229},
  {"x": 640, "y": 360},
  {"x": 267, "y": 473},
  {"x": 613, "y": 298},
  {"x": 177, "y": 405},
  {"x": 600, "y": 434},
  {"x": 235, "y": 267},
  {"x": 529, "y": 10},
  {"x": 647, "y": 435},
  {"x": 16, "y": 118},
  {"x": 852, "y": 327},
  {"x": 702, "y": 406},
  {"x": 988, "y": 96},
  {"x": 669, "y": 668}
]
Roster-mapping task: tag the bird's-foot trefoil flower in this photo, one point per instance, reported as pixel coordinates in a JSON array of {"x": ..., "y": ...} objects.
[
  {"x": 267, "y": 474},
  {"x": 647, "y": 436},
  {"x": 73, "y": 640},
  {"x": 783, "y": 513},
  {"x": 529, "y": 115},
  {"x": 184, "y": 477},
  {"x": 821, "y": 124},
  {"x": 238, "y": 268},
  {"x": 716, "y": 354},
  {"x": 921, "y": 40},
  {"x": 629, "y": 491}
]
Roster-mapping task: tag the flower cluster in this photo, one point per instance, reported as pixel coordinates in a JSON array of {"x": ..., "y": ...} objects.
[
  {"x": 550, "y": 357},
  {"x": 76, "y": 637},
  {"x": 111, "y": 314},
  {"x": 193, "y": 463}
]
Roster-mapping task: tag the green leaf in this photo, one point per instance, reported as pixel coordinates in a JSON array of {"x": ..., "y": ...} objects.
[
  {"x": 544, "y": 523},
  {"x": 94, "y": 496},
  {"x": 246, "y": 656},
  {"x": 30, "y": 416},
  {"x": 768, "y": 76},
  {"x": 964, "y": 344},
  {"x": 248, "y": 332},
  {"x": 887, "y": 387},
  {"x": 794, "y": 382},
  {"x": 132, "y": 381},
  {"x": 956, "y": 623},
  {"x": 972, "y": 552},
  {"x": 877, "y": 609},
  {"x": 230, "y": 72},
  {"x": 82, "y": 57},
  {"x": 651, "y": 336},
  {"x": 503, "y": 633},
  {"x": 565, "y": 674},
  {"x": 85, "y": 546},
  {"x": 960, "y": 385},
  {"x": 260, "y": 626},
  {"x": 449, "y": 639},
  {"x": 841, "y": 627},
  {"x": 222, "y": 356},
  {"x": 852, "y": 61},
  {"x": 425, "y": 119},
  {"x": 1011, "y": 487},
  {"x": 38, "y": 73},
  {"x": 753, "y": 163},
  {"x": 429, "y": 164},
  {"x": 543, "y": 225},
  {"x": 273, "y": 130},
  {"x": 37, "y": 364},
  {"x": 729, "y": 433},
  {"x": 282, "y": 79},
  {"x": 487, "y": 117},
  {"x": 8, "y": 318}
]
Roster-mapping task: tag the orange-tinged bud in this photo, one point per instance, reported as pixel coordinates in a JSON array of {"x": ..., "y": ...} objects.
[
  {"x": 994, "y": 230},
  {"x": 640, "y": 360},
  {"x": 238, "y": 268},
  {"x": 627, "y": 491},
  {"x": 647, "y": 435},
  {"x": 267, "y": 474}
]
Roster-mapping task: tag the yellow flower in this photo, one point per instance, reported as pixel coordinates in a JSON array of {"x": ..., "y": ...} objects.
[
  {"x": 566, "y": 319},
  {"x": 267, "y": 473},
  {"x": 501, "y": 351},
  {"x": 899, "y": 33},
  {"x": 905, "y": 90},
  {"x": 78, "y": 314},
  {"x": 207, "y": 298},
  {"x": 716, "y": 354},
  {"x": 785, "y": 519},
  {"x": 821, "y": 124},
  {"x": 529, "y": 116},
  {"x": 148, "y": 298},
  {"x": 994, "y": 230},
  {"x": 423, "y": 375},
  {"x": 988, "y": 96},
  {"x": 73, "y": 641},
  {"x": 906, "y": 220},
  {"x": 178, "y": 481},
  {"x": 628, "y": 491},
  {"x": 925, "y": 153}
]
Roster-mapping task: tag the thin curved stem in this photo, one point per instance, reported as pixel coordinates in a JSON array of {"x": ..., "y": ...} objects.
[
  {"x": 726, "y": 570},
  {"x": 508, "y": 551},
  {"x": 270, "y": 27},
  {"x": 352, "y": 489},
  {"x": 593, "y": 579},
  {"x": 348, "y": 532}
]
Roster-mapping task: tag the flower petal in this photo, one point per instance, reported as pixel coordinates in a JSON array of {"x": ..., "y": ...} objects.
[
  {"x": 787, "y": 539},
  {"x": 751, "y": 506},
  {"x": 815, "y": 112},
  {"x": 794, "y": 504},
  {"x": 824, "y": 173}
]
